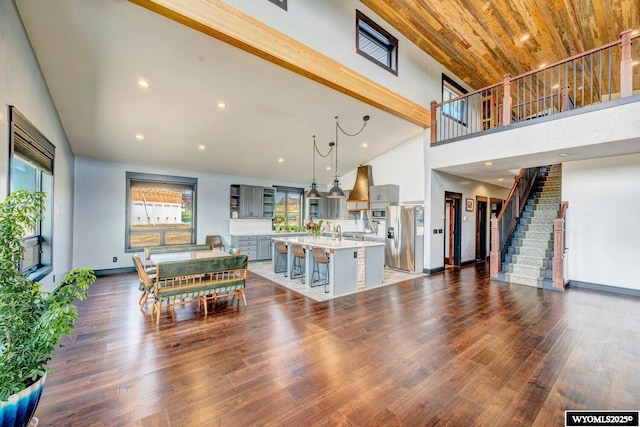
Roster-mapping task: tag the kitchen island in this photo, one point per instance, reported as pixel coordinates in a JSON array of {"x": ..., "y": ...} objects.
[{"x": 353, "y": 265}]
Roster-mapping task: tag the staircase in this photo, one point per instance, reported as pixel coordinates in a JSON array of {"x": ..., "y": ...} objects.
[{"x": 528, "y": 258}]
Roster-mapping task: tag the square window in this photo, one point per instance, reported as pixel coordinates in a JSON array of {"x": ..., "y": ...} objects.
[
  {"x": 456, "y": 110},
  {"x": 376, "y": 44}
]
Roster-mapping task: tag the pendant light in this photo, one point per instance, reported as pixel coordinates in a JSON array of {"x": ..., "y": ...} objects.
[
  {"x": 336, "y": 192},
  {"x": 314, "y": 193}
]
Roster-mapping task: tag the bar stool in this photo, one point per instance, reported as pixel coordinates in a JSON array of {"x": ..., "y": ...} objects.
[
  {"x": 281, "y": 258},
  {"x": 215, "y": 241},
  {"x": 298, "y": 262},
  {"x": 320, "y": 257}
]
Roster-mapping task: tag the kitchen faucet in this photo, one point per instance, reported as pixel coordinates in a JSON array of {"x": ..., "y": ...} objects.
[{"x": 339, "y": 231}]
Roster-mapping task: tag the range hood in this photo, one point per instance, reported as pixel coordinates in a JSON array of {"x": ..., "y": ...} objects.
[{"x": 359, "y": 196}]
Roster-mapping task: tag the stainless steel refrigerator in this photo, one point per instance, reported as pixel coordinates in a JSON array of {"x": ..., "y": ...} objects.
[{"x": 405, "y": 237}]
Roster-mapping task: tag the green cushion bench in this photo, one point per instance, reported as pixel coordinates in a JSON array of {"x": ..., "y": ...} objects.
[{"x": 204, "y": 280}]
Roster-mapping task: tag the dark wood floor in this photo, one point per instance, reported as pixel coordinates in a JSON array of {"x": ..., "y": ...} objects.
[{"x": 450, "y": 349}]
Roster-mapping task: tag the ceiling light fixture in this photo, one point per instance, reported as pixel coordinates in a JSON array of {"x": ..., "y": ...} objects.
[
  {"x": 544, "y": 64},
  {"x": 488, "y": 163},
  {"x": 201, "y": 147},
  {"x": 143, "y": 84},
  {"x": 280, "y": 160},
  {"x": 139, "y": 137},
  {"x": 222, "y": 106},
  {"x": 563, "y": 154},
  {"x": 365, "y": 145},
  {"x": 500, "y": 179},
  {"x": 314, "y": 193},
  {"x": 525, "y": 37},
  {"x": 635, "y": 63}
]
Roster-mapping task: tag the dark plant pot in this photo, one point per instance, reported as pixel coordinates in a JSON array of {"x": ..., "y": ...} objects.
[{"x": 19, "y": 409}]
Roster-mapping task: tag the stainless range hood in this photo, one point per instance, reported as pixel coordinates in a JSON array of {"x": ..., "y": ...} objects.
[{"x": 359, "y": 197}]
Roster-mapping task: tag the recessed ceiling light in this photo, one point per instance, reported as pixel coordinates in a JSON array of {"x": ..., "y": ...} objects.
[
  {"x": 143, "y": 84},
  {"x": 544, "y": 64},
  {"x": 556, "y": 86},
  {"x": 328, "y": 168},
  {"x": 634, "y": 32},
  {"x": 635, "y": 62},
  {"x": 579, "y": 87},
  {"x": 525, "y": 37},
  {"x": 280, "y": 160},
  {"x": 500, "y": 179},
  {"x": 139, "y": 137},
  {"x": 202, "y": 147},
  {"x": 221, "y": 105},
  {"x": 563, "y": 154},
  {"x": 365, "y": 145},
  {"x": 488, "y": 163}
]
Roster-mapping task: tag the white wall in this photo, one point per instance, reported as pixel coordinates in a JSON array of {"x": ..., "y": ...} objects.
[
  {"x": 603, "y": 229},
  {"x": 22, "y": 85},
  {"x": 100, "y": 194},
  {"x": 403, "y": 165},
  {"x": 329, "y": 27},
  {"x": 441, "y": 182}
]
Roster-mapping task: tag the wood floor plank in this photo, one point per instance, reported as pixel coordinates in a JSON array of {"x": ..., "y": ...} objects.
[{"x": 450, "y": 349}]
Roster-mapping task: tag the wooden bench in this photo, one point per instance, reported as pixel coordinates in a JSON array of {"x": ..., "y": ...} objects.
[{"x": 201, "y": 280}]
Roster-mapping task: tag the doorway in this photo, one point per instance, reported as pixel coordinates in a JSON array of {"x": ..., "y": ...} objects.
[
  {"x": 482, "y": 228},
  {"x": 453, "y": 228}
]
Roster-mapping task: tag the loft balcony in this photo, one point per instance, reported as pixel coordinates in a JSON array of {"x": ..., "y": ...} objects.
[{"x": 582, "y": 82}]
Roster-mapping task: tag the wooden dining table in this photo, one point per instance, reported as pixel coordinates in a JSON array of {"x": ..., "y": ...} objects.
[{"x": 183, "y": 256}]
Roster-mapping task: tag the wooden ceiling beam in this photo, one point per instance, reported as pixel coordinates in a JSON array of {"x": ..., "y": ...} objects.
[{"x": 225, "y": 23}]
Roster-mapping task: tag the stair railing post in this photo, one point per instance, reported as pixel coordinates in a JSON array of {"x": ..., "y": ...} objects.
[
  {"x": 558, "y": 249},
  {"x": 506, "y": 101},
  {"x": 626, "y": 65},
  {"x": 494, "y": 256},
  {"x": 434, "y": 122}
]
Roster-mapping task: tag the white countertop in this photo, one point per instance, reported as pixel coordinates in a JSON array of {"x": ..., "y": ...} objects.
[
  {"x": 271, "y": 233},
  {"x": 326, "y": 242}
]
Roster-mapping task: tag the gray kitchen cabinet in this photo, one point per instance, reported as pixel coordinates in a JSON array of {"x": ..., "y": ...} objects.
[
  {"x": 264, "y": 248},
  {"x": 381, "y": 196},
  {"x": 248, "y": 245},
  {"x": 251, "y": 201}
]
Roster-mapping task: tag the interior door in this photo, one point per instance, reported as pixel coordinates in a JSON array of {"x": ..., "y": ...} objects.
[
  {"x": 453, "y": 229},
  {"x": 481, "y": 229}
]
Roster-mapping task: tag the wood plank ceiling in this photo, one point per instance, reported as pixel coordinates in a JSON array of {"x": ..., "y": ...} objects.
[{"x": 480, "y": 41}]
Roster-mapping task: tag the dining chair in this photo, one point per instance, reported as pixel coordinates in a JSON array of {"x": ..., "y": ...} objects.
[
  {"x": 234, "y": 251},
  {"x": 215, "y": 241},
  {"x": 145, "y": 284}
]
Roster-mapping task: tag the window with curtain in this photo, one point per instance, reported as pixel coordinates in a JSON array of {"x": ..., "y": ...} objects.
[
  {"x": 161, "y": 211},
  {"x": 31, "y": 168}
]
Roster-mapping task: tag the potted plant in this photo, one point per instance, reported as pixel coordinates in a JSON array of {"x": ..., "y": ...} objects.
[{"x": 32, "y": 321}]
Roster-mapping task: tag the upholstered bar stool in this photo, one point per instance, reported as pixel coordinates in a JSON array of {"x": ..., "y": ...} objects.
[
  {"x": 298, "y": 263},
  {"x": 281, "y": 258},
  {"x": 320, "y": 258},
  {"x": 215, "y": 241}
]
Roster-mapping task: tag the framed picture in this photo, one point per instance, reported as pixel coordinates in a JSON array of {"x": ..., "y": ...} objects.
[{"x": 469, "y": 204}]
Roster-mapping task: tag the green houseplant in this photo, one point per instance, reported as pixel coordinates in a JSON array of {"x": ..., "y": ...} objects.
[{"x": 32, "y": 321}]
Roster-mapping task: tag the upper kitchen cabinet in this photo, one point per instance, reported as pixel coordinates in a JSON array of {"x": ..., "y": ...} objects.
[
  {"x": 248, "y": 201},
  {"x": 381, "y": 196}
]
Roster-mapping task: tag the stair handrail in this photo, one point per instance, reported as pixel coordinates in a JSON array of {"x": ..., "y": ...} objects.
[
  {"x": 504, "y": 224},
  {"x": 559, "y": 241}
]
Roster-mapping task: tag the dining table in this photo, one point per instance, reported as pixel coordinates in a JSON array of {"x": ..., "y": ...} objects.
[{"x": 184, "y": 256}]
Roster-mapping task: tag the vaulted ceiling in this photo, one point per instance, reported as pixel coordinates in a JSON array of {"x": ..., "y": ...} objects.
[
  {"x": 92, "y": 51},
  {"x": 481, "y": 40}
]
